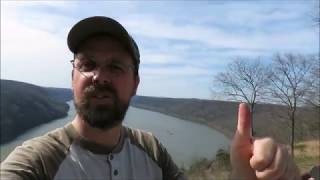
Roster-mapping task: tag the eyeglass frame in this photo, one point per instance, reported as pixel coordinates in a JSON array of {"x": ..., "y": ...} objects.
[{"x": 91, "y": 73}]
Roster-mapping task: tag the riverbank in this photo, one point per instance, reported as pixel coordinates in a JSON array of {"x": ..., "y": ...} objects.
[
  {"x": 222, "y": 116},
  {"x": 227, "y": 132},
  {"x": 175, "y": 134}
]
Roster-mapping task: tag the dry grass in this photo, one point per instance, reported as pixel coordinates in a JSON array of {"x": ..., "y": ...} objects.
[
  {"x": 307, "y": 155},
  {"x": 216, "y": 169},
  {"x": 311, "y": 147},
  {"x": 208, "y": 175}
]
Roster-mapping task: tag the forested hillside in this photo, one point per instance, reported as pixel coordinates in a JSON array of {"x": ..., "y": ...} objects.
[
  {"x": 269, "y": 119},
  {"x": 24, "y": 106}
]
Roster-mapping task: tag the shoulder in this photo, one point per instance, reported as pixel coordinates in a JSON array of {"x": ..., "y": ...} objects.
[
  {"x": 56, "y": 140},
  {"x": 146, "y": 141},
  {"x": 141, "y": 137},
  {"x": 152, "y": 146},
  {"x": 35, "y": 156}
]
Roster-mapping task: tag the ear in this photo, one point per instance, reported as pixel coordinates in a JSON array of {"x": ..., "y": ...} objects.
[
  {"x": 72, "y": 85},
  {"x": 137, "y": 81},
  {"x": 72, "y": 74}
]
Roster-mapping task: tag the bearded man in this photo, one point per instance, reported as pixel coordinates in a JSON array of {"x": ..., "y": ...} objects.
[{"x": 95, "y": 145}]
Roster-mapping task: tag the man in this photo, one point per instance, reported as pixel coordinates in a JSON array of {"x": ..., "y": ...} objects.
[{"x": 96, "y": 146}]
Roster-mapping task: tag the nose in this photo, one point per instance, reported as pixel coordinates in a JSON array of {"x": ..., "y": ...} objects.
[{"x": 101, "y": 76}]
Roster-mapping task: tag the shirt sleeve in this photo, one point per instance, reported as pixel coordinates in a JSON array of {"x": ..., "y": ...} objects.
[
  {"x": 21, "y": 164},
  {"x": 169, "y": 169}
]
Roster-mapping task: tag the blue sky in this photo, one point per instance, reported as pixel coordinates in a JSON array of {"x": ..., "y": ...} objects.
[{"x": 183, "y": 44}]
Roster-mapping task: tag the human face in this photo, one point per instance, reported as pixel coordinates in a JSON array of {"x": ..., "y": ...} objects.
[{"x": 102, "y": 97}]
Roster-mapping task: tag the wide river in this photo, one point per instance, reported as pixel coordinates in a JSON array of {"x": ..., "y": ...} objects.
[{"x": 185, "y": 141}]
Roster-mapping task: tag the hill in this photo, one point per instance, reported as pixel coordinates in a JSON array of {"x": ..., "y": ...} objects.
[
  {"x": 61, "y": 94},
  {"x": 24, "y": 106},
  {"x": 269, "y": 119}
]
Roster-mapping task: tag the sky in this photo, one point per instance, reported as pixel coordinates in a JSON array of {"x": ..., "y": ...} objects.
[{"x": 183, "y": 44}]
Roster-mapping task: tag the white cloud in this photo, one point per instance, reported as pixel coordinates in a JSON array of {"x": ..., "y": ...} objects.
[
  {"x": 174, "y": 44},
  {"x": 215, "y": 37},
  {"x": 159, "y": 59},
  {"x": 177, "y": 87},
  {"x": 175, "y": 71},
  {"x": 32, "y": 54}
]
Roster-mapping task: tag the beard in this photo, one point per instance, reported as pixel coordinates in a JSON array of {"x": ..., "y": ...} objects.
[{"x": 101, "y": 116}]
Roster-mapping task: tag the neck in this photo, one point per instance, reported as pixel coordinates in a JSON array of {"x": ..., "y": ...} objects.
[{"x": 109, "y": 137}]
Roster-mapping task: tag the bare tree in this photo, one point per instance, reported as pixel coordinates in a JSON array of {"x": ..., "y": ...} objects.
[
  {"x": 289, "y": 83},
  {"x": 244, "y": 80},
  {"x": 312, "y": 97},
  {"x": 316, "y": 13}
]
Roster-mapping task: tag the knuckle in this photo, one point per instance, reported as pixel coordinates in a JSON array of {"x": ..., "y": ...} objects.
[
  {"x": 266, "y": 175},
  {"x": 266, "y": 142},
  {"x": 260, "y": 162},
  {"x": 262, "y": 176},
  {"x": 269, "y": 141}
]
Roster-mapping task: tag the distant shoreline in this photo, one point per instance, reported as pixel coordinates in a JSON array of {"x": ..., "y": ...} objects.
[
  {"x": 270, "y": 120},
  {"x": 227, "y": 133}
]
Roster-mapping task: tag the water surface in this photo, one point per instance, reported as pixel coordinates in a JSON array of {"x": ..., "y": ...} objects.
[{"x": 186, "y": 141}]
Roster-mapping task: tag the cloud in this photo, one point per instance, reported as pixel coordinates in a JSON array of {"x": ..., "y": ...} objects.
[
  {"x": 179, "y": 87},
  {"x": 154, "y": 59},
  {"x": 176, "y": 71},
  {"x": 31, "y": 54},
  {"x": 217, "y": 38},
  {"x": 181, "y": 43}
]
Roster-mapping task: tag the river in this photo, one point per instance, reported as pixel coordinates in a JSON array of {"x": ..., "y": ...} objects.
[{"x": 186, "y": 141}]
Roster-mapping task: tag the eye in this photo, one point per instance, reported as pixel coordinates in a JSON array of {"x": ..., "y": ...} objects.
[
  {"x": 117, "y": 68},
  {"x": 86, "y": 66}
]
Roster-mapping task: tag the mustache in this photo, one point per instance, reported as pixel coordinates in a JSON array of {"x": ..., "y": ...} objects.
[{"x": 99, "y": 88}]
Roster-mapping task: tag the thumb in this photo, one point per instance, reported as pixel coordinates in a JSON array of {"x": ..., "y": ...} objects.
[{"x": 244, "y": 121}]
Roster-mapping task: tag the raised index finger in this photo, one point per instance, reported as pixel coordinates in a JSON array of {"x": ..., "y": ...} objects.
[{"x": 244, "y": 121}]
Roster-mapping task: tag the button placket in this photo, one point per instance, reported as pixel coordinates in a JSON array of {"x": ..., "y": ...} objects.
[
  {"x": 110, "y": 165},
  {"x": 110, "y": 157},
  {"x": 115, "y": 170}
]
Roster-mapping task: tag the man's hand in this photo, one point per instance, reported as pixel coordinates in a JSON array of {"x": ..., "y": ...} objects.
[{"x": 259, "y": 158}]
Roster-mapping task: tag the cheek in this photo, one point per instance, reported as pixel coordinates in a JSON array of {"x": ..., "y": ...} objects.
[
  {"x": 126, "y": 90},
  {"x": 79, "y": 84}
]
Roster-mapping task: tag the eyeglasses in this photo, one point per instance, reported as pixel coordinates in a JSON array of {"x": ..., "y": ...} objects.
[{"x": 88, "y": 67}]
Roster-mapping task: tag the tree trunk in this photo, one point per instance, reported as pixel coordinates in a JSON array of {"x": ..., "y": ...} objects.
[
  {"x": 251, "y": 118},
  {"x": 292, "y": 133}
]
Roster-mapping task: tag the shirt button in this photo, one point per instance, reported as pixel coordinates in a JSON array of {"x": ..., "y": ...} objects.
[
  {"x": 115, "y": 172},
  {"x": 110, "y": 157}
]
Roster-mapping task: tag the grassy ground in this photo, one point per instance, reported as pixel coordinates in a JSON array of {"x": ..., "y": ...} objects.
[
  {"x": 307, "y": 155},
  {"x": 216, "y": 169}
]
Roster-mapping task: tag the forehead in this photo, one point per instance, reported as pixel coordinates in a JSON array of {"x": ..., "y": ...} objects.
[{"x": 102, "y": 44}]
